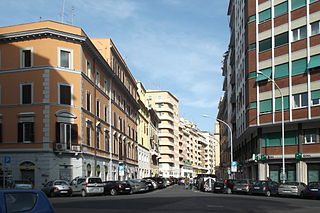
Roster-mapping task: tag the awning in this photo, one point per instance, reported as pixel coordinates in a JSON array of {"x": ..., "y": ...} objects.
[
  {"x": 267, "y": 72},
  {"x": 314, "y": 62}
]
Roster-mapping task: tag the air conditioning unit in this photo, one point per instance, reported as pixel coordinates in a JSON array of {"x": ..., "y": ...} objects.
[
  {"x": 75, "y": 148},
  {"x": 60, "y": 147}
]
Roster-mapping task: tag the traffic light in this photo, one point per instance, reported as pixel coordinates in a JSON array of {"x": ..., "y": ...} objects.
[{"x": 298, "y": 156}]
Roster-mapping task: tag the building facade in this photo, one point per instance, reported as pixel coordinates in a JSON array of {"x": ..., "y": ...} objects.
[
  {"x": 66, "y": 108},
  {"x": 279, "y": 39}
]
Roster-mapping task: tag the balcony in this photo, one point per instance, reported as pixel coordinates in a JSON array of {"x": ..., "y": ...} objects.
[
  {"x": 166, "y": 151},
  {"x": 166, "y": 135},
  {"x": 165, "y": 109},
  {"x": 166, "y": 126},
  {"x": 166, "y": 143},
  {"x": 166, "y": 159},
  {"x": 167, "y": 117}
]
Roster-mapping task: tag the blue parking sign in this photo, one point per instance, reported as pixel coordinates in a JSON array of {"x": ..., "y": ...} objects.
[{"x": 7, "y": 159}]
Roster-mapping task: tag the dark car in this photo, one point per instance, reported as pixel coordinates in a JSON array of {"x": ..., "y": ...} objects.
[
  {"x": 265, "y": 187},
  {"x": 312, "y": 190},
  {"x": 149, "y": 184},
  {"x": 242, "y": 186},
  {"x": 160, "y": 181},
  {"x": 57, "y": 188},
  {"x": 228, "y": 185},
  {"x": 117, "y": 187},
  {"x": 218, "y": 186},
  {"x": 27, "y": 201}
]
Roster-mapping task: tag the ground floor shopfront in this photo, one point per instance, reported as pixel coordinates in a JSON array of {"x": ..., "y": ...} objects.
[{"x": 41, "y": 167}]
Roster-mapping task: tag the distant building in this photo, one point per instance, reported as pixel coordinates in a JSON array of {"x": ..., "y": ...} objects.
[{"x": 68, "y": 107}]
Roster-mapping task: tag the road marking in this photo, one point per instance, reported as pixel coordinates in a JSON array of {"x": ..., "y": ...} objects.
[{"x": 215, "y": 206}]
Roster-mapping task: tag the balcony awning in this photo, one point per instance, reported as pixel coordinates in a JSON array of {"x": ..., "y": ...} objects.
[
  {"x": 314, "y": 62},
  {"x": 267, "y": 72}
]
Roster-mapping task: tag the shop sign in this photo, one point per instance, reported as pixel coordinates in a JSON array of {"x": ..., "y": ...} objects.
[{"x": 121, "y": 170}]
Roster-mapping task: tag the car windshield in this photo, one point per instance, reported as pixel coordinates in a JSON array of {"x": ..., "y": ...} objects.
[
  {"x": 243, "y": 182},
  {"x": 61, "y": 183},
  {"x": 261, "y": 183},
  {"x": 94, "y": 180},
  {"x": 121, "y": 182},
  {"x": 291, "y": 183}
]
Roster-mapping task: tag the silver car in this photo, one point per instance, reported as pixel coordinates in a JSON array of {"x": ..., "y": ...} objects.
[
  {"x": 57, "y": 188},
  {"x": 242, "y": 186},
  {"x": 87, "y": 186},
  {"x": 291, "y": 189}
]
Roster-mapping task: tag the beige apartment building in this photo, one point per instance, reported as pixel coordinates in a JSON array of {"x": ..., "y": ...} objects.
[
  {"x": 68, "y": 105},
  {"x": 166, "y": 106}
]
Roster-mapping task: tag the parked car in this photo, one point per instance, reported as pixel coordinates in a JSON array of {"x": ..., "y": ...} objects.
[
  {"x": 22, "y": 184},
  {"x": 57, "y": 188},
  {"x": 149, "y": 184},
  {"x": 87, "y": 186},
  {"x": 117, "y": 187},
  {"x": 160, "y": 182},
  {"x": 218, "y": 186},
  {"x": 291, "y": 189},
  {"x": 138, "y": 186},
  {"x": 265, "y": 187},
  {"x": 242, "y": 186},
  {"x": 28, "y": 201},
  {"x": 312, "y": 190}
]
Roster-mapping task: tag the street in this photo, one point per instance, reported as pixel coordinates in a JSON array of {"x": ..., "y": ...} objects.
[{"x": 178, "y": 199}]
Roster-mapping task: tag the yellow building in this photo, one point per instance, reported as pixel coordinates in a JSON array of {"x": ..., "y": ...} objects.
[{"x": 66, "y": 109}]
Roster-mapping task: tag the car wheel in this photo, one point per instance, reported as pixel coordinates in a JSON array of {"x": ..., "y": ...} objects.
[
  {"x": 131, "y": 192},
  {"x": 229, "y": 191},
  {"x": 268, "y": 193},
  {"x": 113, "y": 192},
  {"x": 83, "y": 193}
]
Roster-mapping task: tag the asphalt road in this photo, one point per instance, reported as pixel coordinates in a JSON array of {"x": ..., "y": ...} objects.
[{"x": 178, "y": 199}]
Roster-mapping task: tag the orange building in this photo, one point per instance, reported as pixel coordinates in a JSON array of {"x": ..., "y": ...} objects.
[{"x": 67, "y": 107}]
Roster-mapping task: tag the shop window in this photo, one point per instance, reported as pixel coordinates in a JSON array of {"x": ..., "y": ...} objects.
[{"x": 313, "y": 172}]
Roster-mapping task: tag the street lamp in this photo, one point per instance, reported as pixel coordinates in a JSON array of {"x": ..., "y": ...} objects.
[
  {"x": 282, "y": 125},
  {"x": 231, "y": 147}
]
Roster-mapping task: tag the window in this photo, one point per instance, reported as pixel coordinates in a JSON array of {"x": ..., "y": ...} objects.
[
  {"x": 26, "y": 91},
  {"x": 89, "y": 69},
  {"x": 281, "y": 70},
  {"x": 88, "y": 97},
  {"x": 310, "y": 136},
  {"x": 20, "y": 201},
  {"x": 265, "y": 44},
  {"x": 300, "y": 100},
  {"x": 88, "y": 133},
  {"x": 299, "y": 66},
  {"x": 106, "y": 113},
  {"x": 295, "y": 4},
  {"x": 314, "y": 62},
  {"x": 299, "y": 33},
  {"x": 315, "y": 97},
  {"x": 266, "y": 106},
  {"x": 265, "y": 15},
  {"x": 26, "y": 132},
  {"x": 266, "y": 72},
  {"x": 281, "y": 9},
  {"x": 65, "y": 58},
  {"x": 278, "y": 103},
  {"x": 26, "y": 57},
  {"x": 98, "y": 78},
  {"x": 106, "y": 140},
  {"x": 252, "y": 46},
  {"x": 98, "y": 138},
  {"x": 106, "y": 86},
  {"x": 315, "y": 28},
  {"x": 66, "y": 134},
  {"x": 114, "y": 120},
  {"x": 64, "y": 94},
  {"x": 252, "y": 18},
  {"x": 98, "y": 107},
  {"x": 281, "y": 39}
]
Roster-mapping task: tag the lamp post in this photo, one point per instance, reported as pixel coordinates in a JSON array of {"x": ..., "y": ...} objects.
[
  {"x": 231, "y": 147},
  {"x": 282, "y": 124}
]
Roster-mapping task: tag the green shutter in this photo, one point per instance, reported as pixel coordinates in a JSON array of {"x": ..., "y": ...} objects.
[
  {"x": 278, "y": 106},
  {"x": 299, "y": 66},
  {"x": 252, "y": 18},
  {"x": 281, "y": 39},
  {"x": 314, "y": 62},
  {"x": 265, "y": 44},
  {"x": 252, "y": 74},
  {"x": 315, "y": 94},
  {"x": 281, "y": 70},
  {"x": 252, "y": 46},
  {"x": 265, "y": 15},
  {"x": 295, "y": 4},
  {"x": 266, "y": 106},
  {"x": 291, "y": 138},
  {"x": 271, "y": 139},
  {"x": 253, "y": 105},
  {"x": 267, "y": 72},
  {"x": 281, "y": 9},
  {"x": 311, "y": 1}
]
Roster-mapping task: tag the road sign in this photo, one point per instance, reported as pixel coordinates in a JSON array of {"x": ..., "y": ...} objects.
[
  {"x": 234, "y": 166},
  {"x": 7, "y": 159}
]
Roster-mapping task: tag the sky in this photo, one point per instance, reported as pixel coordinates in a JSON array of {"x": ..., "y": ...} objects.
[{"x": 172, "y": 45}]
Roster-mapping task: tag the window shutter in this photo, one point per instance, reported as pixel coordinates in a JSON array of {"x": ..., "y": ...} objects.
[
  {"x": 57, "y": 132},
  {"x": 264, "y": 15},
  {"x": 32, "y": 132},
  {"x": 74, "y": 134},
  {"x": 315, "y": 94},
  {"x": 20, "y": 132},
  {"x": 281, "y": 70},
  {"x": 278, "y": 103},
  {"x": 281, "y": 39},
  {"x": 266, "y": 106},
  {"x": 265, "y": 44},
  {"x": 299, "y": 66},
  {"x": 281, "y": 9},
  {"x": 295, "y": 4}
]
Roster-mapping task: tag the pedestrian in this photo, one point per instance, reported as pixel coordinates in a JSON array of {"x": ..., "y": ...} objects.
[
  {"x": 190, "y": 183},
  {"x": 186, "y": 182}
]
